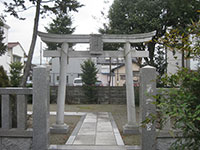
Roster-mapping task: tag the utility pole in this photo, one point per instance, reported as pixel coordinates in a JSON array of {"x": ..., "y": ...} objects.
[
  {"x": 109, "y": 79},
  {"x": 40, "y": 53}
]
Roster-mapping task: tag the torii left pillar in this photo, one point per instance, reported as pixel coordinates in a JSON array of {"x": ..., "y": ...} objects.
[
  {"x": 131, "y": 127},
  {"x": 60, "y": 126}
]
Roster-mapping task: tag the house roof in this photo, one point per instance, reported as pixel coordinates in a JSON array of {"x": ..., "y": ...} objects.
[
  {"x": 6, "y": 26},
  {"x": 133, "y": 61},
  {"x": 13, "y": 44}
]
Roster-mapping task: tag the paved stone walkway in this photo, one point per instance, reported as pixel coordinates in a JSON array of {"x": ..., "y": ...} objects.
[{"x": 95, "y": 131}]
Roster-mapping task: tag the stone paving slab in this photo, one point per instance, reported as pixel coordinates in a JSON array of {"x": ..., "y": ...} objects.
[
  {"x": 53, "y": 113},
  {"x": 96, "y": 131},
  {"x": 66, "y": 147},
  {"x": 104, "y": 128},
  {"x": 84, "y": 140},
  {"x": 87, "y": 133},
  {"x": 87, "y": 125},
  {"x": 133, "y": 147},
  {"x": 105, "y": 138}
]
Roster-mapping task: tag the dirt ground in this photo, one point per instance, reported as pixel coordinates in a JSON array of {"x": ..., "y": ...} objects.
[
  {"x": 59, "y": 139},
  {"x": 118, "y": 112}
]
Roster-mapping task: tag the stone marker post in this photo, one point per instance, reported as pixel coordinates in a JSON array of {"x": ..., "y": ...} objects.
[
  {"x": 60, "y": 126},
  {"x": 41, "y": 98},
  {"x": 131, "y": 127},
  {"x": 147, "y": 90}
]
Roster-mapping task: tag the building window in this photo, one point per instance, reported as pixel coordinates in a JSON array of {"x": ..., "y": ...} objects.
[
  {"x": 9, "y": 52},
  {"x": 122, "y": 77},
  {"x": 67, "y": 79},
  {"x": 135, "y": 79},
  {"x": 57, "y": 78},
  {"x": 79, "y": 75},
  {"x": 136, "y": 73},
  {"x": 16, "y": 58},
  {"x": 30, "y": 78}
]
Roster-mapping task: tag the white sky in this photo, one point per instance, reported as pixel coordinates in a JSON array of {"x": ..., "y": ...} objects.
[{"x": 88, "y": 20}]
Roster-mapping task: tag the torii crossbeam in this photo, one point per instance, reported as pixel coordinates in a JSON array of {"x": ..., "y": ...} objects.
[{"x": 96, "y": 50}]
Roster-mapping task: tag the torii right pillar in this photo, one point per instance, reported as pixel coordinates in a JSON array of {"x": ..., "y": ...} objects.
[{"x": 131, "y": 127}]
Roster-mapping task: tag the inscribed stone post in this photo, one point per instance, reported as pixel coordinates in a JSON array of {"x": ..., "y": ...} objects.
[
  {"x": 41, "y": 100},
  {"x": 147, "y": 108}
]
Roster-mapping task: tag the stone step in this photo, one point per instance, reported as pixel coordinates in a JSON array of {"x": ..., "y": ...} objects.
[
  {"x": 72, "y": 147},
  {"x": 133, "y": 147}
]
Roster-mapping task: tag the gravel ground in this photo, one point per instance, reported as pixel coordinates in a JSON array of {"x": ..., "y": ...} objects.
[{"x": 118, "y": 112}]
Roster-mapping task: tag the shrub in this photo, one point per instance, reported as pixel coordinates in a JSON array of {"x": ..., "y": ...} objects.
[{"x": 183, "y": 105}]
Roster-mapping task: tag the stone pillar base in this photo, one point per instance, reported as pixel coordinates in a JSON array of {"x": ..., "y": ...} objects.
[
  {"x": 131, "y": 129},
  {"x": 59, "y": 128}
]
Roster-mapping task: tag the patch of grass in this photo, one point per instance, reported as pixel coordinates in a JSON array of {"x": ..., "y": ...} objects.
[{"x": 85, "y": 107}]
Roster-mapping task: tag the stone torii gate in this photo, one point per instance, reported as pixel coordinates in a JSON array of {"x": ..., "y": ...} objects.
[{"x": 96, "y": 50}]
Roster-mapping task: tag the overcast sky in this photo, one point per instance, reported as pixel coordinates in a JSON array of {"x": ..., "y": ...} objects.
[{"x": 88, "y": 20}]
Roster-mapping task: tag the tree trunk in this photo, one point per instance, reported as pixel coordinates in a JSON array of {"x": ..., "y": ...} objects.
[
  {"x": 151, "y": 49},
  {"x": 32, "y": 46},
  {"x": 183, "y": 59}
]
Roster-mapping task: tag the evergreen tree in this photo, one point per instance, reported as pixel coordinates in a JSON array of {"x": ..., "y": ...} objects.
[
  {"x": 89, "y": 78},
  {"x": 15, "y": 71},
  {"x": 2, "y": 45},
  {"x": 61, "y": 25},
  {"x": 4, "y": 81}
]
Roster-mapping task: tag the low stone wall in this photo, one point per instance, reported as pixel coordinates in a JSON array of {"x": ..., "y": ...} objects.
[
  {"x": 164, "y": 143},
  {"x": 15, "y": 143},
  {"x": 164, "y": 139},
  {"x": 19, "y": 137},
  {"x": 75, "y": 95}
]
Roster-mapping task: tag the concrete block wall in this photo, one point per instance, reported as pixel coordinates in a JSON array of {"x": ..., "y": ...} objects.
[{"x": 75, "y": 95}]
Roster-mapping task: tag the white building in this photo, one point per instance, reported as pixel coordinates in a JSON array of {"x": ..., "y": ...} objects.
[
  {"x": 104, "y": 75},
  {"x": 73, "y": 70},
  {"x": 175, "y": 62},
  {"x": 14, "y": 53}
]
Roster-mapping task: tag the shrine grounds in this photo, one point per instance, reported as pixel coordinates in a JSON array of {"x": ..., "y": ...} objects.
[{"x": 119, "y": 113}]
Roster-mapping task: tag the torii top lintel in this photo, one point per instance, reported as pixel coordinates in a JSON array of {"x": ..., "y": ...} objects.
[
  {"x": 110, "y": 38},
  {"x": 96, "y": 43}
]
